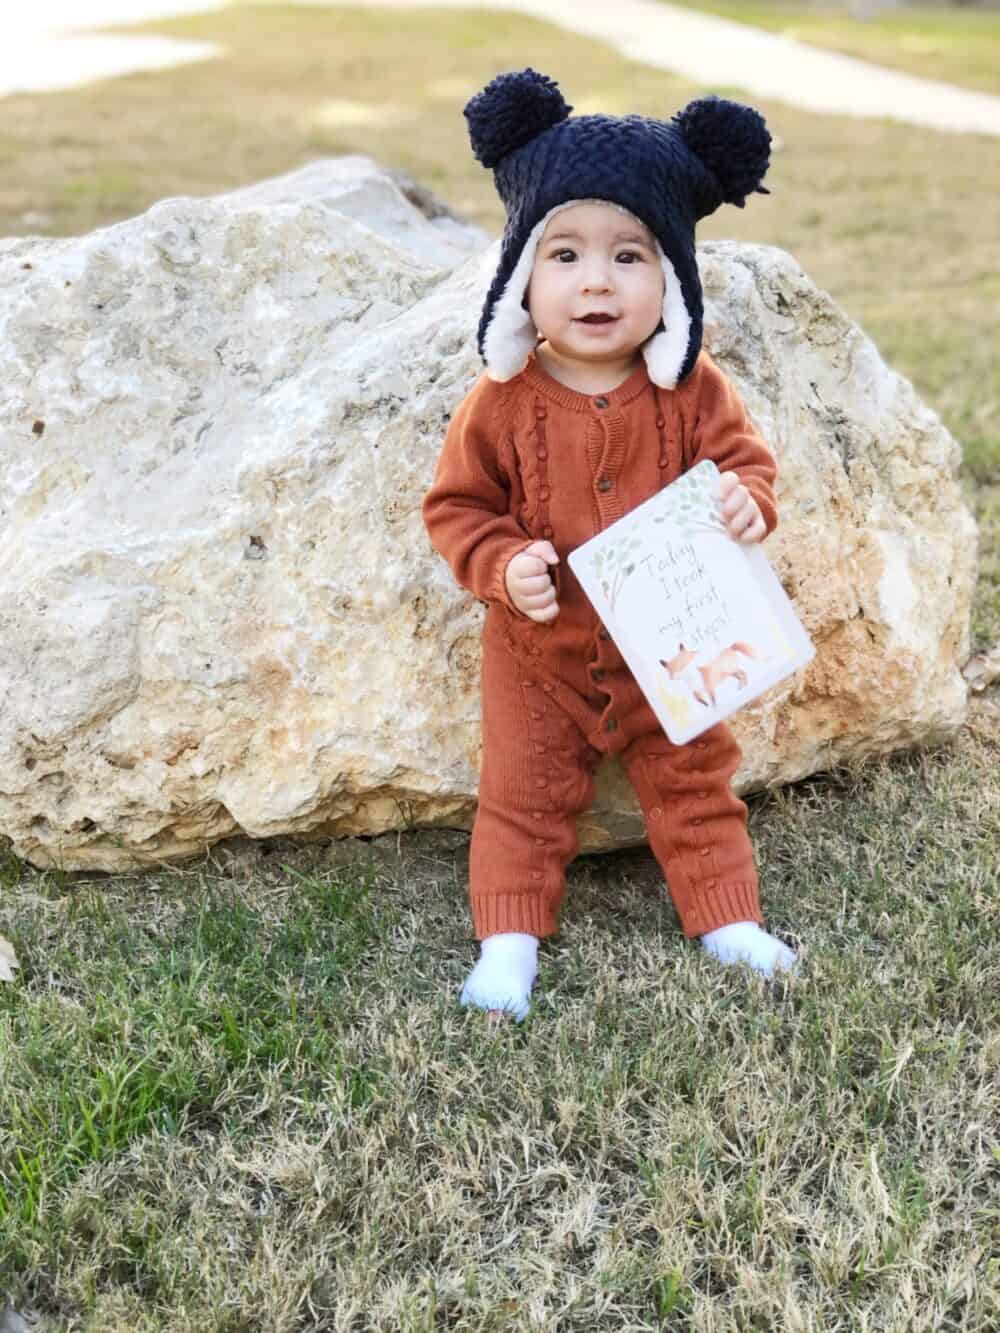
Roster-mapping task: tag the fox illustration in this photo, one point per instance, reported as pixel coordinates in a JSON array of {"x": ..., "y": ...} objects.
[{"x": 712, "y": 673}]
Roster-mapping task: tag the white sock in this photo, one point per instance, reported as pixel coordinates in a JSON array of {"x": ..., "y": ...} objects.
[
  {"x": 504, "y": 975},
  {"x": 745, "y": 942}
]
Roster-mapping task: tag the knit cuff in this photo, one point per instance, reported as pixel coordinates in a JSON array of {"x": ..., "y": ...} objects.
[
  {"x": 721, "y": 905},
  {"x": 499, "y": 913}
]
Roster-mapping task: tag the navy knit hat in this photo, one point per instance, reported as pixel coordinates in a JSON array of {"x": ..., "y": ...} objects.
[{"x": 667, "y": 174}]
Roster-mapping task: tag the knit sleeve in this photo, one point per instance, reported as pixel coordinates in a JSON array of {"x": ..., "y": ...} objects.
[
  {"x": 466, "y": 511},
  {"x": 724, "y": 432}
]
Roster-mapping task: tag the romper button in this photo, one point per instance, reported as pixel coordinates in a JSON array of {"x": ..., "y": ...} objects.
[
  {"x": 696, "y": 822},
  {"x": 600, "y": 402},
  {"x": 536, "y": 814},
  {"x": 604, "y": 484},
  {"x": 536, "y": 717},
  {"x": 660, "y": 422},
  {"x": 543, "y": 454},
  {"x": 547, "y": 688},
  {"x": 547, "y": 530},
  {"x": 540, "y": 413},
  {"x": 541, "y": 782},
  {"x": 536, "y": 874},
  {"x": 664, "y": 462},
  {"x": 611, "y": 725},
  {"x": 539, "y": 842},
  {"x": 544, "y": 493},
  {"x": 704, "y": 851},
  {"x": 656, "y": 812},
  {"x": 536, "y": 652}
]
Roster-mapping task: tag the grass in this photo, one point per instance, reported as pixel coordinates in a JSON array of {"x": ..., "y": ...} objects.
[{"x": 240, "y": 1094}]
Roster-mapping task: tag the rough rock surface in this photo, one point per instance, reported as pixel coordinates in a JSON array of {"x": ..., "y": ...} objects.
[{"x": 219, "y": 613}]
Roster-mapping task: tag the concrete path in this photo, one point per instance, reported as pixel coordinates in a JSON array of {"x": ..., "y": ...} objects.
[
  {"x": 717, "y": 52},
  {"x": 707, "y": 50},
  {"x": 46, "y": 45}
]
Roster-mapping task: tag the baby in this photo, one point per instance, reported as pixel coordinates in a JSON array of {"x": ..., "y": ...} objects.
[{"x": 596, "y": 394}]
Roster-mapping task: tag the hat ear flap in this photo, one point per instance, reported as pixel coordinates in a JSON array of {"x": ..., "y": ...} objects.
[
  {"x": 732, "y": 141},
  {"x": 511, "y": 111}
]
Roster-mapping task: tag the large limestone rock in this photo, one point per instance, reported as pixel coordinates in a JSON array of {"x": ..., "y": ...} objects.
[{"x": 219, "y": 612}]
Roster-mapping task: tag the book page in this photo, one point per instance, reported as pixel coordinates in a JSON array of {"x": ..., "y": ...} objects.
[{"x": 700, "y": 619}]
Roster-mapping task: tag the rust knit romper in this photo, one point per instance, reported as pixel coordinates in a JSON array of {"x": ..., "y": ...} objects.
[{"x": 532, "y": 459}]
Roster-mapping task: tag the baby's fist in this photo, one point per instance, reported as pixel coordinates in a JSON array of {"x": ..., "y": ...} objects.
[
  {"x": 529, "y": 584},
  {"x": 740, "y": 511}
]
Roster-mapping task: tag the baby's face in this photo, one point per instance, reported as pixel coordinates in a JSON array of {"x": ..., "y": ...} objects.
[{"x": 594, "y": 260}]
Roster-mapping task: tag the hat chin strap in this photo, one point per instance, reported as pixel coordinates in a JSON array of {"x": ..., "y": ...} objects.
[
  {"x": 511, "y": 335},
  {"x": 664, "y": 353}
]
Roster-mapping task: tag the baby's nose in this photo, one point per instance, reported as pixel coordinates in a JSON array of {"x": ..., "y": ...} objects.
[{"x": 597, "y": 276}]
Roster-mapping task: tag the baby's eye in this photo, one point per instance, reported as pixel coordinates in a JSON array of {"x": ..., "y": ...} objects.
[
  {"x": 630, "y": 255},
  {"x": 558, "y": 254}
]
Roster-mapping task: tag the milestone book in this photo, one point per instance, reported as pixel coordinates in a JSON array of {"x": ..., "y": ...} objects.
[{"x": 700, "y": 618}]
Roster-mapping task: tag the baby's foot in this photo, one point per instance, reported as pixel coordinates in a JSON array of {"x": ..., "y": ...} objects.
[
  {"x": 502, "y": 979},
  {"x": 746, "y": 942}
]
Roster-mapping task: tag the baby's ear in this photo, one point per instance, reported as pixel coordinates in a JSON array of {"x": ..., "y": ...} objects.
[
  {"x": 732, "y": 141},
  {"x": 511, "y": 111}
]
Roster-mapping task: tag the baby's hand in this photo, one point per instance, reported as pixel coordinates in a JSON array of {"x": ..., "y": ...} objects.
[
  {"x": 740, "y": 511},
  {"x": 529, "y": 584}
]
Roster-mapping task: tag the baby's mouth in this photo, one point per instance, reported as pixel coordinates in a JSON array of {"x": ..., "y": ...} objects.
[{"x": 598, "y": 319}]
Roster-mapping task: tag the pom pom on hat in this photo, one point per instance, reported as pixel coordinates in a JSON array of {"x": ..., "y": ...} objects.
[
  {"x": 730, "y": 139},
  {"x": 512, "y": 110}
]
